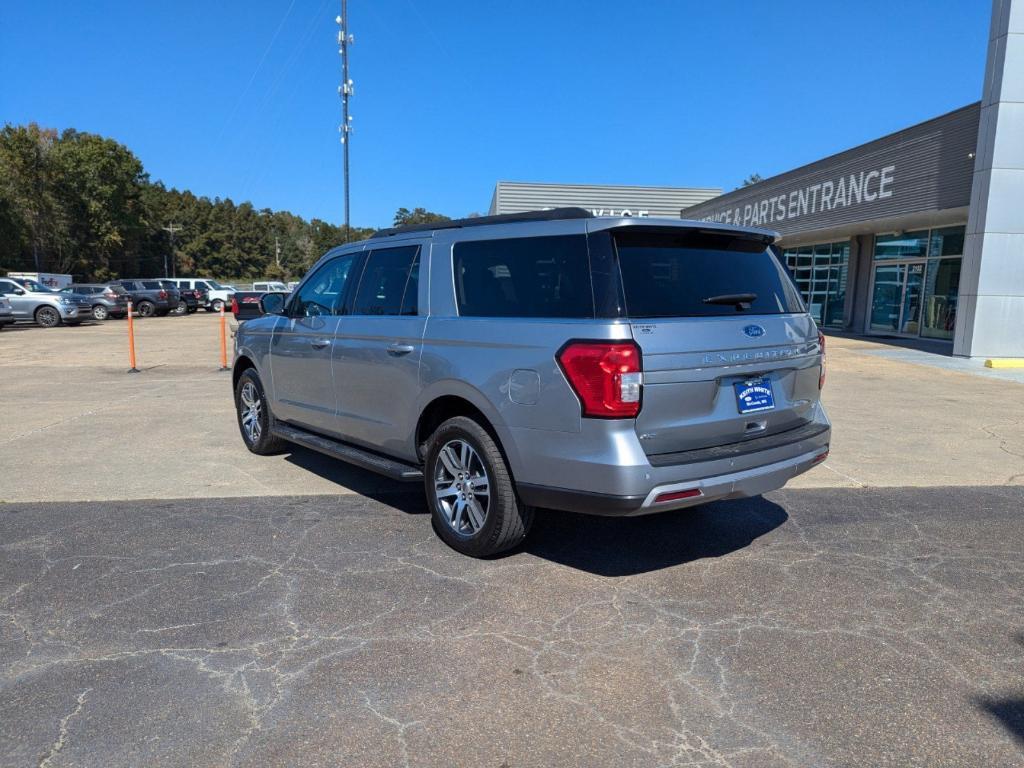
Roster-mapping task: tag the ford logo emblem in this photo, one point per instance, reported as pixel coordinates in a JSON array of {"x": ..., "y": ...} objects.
[{"x": 753, "y": 331}]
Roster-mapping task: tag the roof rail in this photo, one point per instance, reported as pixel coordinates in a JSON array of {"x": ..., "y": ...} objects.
[{"x": 552, "y": 214}]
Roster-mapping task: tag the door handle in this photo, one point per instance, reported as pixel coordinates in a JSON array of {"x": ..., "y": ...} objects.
[
  {"x": 397, "y": 349},
  {"x": 319, "y": 343}
]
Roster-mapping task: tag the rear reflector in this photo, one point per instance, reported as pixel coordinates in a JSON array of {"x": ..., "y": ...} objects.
[
  {"x": 234, "y": 306},
  {"x": 821, "y": 456},
  {"x": 689, "y": 493}
]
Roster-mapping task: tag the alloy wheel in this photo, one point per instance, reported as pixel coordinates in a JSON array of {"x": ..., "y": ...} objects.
[
  {"x": 99, "y": 312},
  {"x": 251, "y": 407},
  {"x": 47, "y": 317},
  {"x": 462, "y": 487}
]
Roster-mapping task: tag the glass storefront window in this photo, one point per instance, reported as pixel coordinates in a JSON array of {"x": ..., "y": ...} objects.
[
  {"x": 917, "y": 297},
  {"x": 820, "y": 273},
  {"x": 941, "y": 290},
  {"x": 908, "y": 245},
  {"x": 947, "y": 242}
]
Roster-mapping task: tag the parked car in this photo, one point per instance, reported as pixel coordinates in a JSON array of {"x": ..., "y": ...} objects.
[
  {"x": 272, "y": 286},
  {"x": 189, "y": 299},
  {"x": 34, "y": 302},
  {"x": 6, "y": 313},
  {"x": 245, "y": 305},
  {"x": 615, "y": 366},
  {"x": 107, "y": 299},
  {"x": 151, "y": 296},
  {"x": 217, "y": 296}
]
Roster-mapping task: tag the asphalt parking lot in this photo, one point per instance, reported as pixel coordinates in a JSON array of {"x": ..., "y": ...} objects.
[{"x": 168, "y": 599}]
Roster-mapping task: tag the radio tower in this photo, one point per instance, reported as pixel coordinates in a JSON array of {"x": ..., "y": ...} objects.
[{"x": 346, "y": 91}]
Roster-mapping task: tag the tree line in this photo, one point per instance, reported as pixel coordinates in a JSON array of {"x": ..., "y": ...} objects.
[{"x": 77, "y": 203}]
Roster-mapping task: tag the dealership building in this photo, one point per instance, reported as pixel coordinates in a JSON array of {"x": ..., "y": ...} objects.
[{"x": 918, "y": 234}]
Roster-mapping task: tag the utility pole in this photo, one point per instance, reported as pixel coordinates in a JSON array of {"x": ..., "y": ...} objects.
[
  {"x": 277, "y": 252},
  {"x": 345, "y": 90},
  {"x": 171, "y": 229}
]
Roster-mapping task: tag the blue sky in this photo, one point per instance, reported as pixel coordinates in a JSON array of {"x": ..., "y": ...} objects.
[{"x": 239, "y": 99}]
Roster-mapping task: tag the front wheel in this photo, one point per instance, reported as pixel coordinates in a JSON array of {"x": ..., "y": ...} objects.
[
  {"x": 470, "y": 492},
  {"x": 254, "y": 417},
  {"x": 47, "y": 317},
  {"x": 181, "y": 309},
  {"x": 217, "y": 305}
]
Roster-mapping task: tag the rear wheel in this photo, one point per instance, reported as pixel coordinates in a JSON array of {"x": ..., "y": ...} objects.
[
  {"x": 47, "y": 317},
  {"x": 99, "y": 312},
  {"x": 254, "y": 417},
  {"x": 470, "y": 492},
  {"x": 146, "y": 309}
]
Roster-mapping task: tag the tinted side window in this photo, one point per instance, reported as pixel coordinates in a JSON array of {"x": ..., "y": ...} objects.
[
  {"x": 152, "y": 285},
  {"x": 7, "y": 287},
  {"x": 388, "y": 278},
  {"x": 524, "y": 277},
  {"x": 322, "y": 294}
]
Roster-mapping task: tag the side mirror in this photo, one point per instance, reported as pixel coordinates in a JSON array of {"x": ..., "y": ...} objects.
[
  {"x": 273, "y": 303},
  {"x": 19, "y": 292}
]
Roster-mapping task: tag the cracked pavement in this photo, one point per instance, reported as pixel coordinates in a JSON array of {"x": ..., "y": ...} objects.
[{"x": 825, "y": 627}]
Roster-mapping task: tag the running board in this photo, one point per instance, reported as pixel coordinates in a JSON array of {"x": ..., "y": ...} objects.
[{"x": 393, "y": 468}]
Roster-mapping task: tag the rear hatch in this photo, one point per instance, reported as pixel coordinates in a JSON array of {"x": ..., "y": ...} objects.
[{"x": 729, "y": 352}]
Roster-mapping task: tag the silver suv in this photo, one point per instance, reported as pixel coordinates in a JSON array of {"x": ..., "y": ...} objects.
[
  {"x": 33, "y": 302},
  {"x": 611, "y": 366}
]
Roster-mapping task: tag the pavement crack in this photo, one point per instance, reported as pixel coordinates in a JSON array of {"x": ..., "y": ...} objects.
[{"x": 62, "y": 733}]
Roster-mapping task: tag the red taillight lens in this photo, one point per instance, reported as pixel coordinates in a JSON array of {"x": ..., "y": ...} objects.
[
  {"x": 605, "y": 375},
  {"x": 234, "y": 306},
  {"x": 162, "y": 295},
  {"x": 821, "y": 343}
]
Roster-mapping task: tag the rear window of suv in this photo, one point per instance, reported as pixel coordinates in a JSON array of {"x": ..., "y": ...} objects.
[
  {"x": 700, "y": 274},
  {"x": 524, "y": 277}
]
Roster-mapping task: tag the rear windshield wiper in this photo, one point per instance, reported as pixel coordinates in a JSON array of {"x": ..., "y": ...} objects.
[{"x": 739, "y": 300}]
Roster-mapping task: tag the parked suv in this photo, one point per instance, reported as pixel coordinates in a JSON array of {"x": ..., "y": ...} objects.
[
  {"x": 217, "y": 296},
  {"x": 151, "y": 297},
  {"x": 106, "y": 299},
  {"x": 34, "y": 302},
  {"x": 612, "y": 366}
]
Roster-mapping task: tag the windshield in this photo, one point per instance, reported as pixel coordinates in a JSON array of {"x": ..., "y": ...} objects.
[
  {"x": 700, "y": 274},
  {"x": 32, "y": 285}
]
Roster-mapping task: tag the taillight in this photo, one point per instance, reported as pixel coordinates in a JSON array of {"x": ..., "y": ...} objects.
[
  {"x": 234, "y": 306},
  {"x": 606, "y": 376},
  {"x": 162, "y": 295},
  {"x": 109, "y": 295},
  {"x": 821, "y": 344}
]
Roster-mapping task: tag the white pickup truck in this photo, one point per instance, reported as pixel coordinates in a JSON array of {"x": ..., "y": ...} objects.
[{"x": 217, "y": 296}]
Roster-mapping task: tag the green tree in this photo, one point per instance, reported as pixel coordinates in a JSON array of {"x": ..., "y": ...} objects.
[
  {"x": 406, "y": 218},
  {"x": 753, "y": 178}
]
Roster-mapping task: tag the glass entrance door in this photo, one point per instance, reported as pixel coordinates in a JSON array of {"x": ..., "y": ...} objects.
[{"x": 896, "y": 300}]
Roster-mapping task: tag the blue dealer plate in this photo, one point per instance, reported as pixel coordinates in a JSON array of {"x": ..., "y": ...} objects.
[{"x": 754, "y": 395}]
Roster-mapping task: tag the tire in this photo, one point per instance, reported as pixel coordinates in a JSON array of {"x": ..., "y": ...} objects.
[
  {"x": 255, "y": 431},
  {"x": 99, "y": 312},
  {"x": 146, "y": 309},
  {"x": 182, "y": 308},
  {"x": 464, "y": 522},
  {"x": 47, "y": 317},
  {"x": 217, "y": 305}
]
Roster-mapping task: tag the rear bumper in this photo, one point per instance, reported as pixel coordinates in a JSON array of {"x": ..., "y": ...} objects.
[
  {"x": 748, "y": 482},
  {"x": 612, "y": 476}
]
